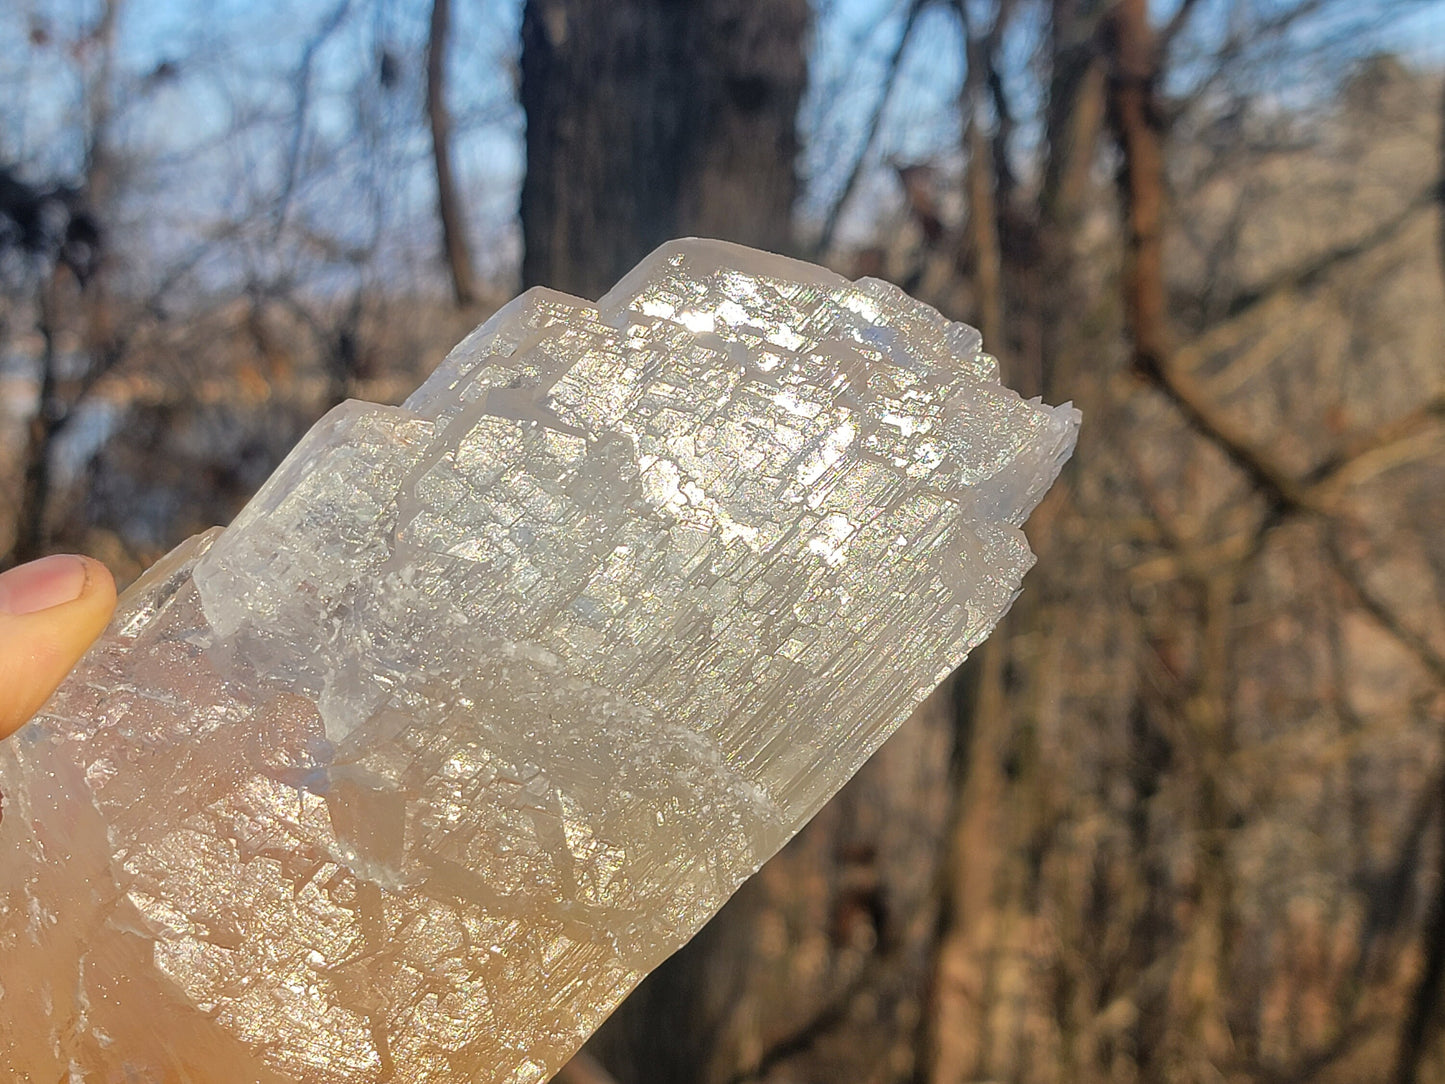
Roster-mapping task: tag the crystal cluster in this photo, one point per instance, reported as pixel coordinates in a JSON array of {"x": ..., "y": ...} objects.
[{"x": 486, "y": 703}]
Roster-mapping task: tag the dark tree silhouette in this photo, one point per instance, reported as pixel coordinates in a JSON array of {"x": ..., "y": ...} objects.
[{"x": 653, "y": 119}]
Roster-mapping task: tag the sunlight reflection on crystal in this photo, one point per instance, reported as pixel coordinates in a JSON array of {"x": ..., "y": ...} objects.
[{"x": 484, "y": 704}]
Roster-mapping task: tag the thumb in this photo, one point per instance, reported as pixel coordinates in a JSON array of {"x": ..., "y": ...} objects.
[{"x": 51, "y": 610}]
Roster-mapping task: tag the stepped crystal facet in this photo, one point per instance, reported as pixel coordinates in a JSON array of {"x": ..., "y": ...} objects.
[{"x": 486, "y": 703}]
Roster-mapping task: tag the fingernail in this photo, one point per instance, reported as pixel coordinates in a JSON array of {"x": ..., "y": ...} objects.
[{"x": 39, "y": 585}]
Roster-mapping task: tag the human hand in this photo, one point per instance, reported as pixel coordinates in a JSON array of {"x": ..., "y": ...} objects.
[{"x": 51, "y": 610}]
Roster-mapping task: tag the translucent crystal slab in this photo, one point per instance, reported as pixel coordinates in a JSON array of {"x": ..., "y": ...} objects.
[{"x": 486, "y": 703}]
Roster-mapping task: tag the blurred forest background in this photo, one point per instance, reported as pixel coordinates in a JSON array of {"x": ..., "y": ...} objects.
[{"x": 1183, "y": 818}]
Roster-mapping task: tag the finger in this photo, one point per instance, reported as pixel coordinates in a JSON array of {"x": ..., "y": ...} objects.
[{"x": 51, "y": 610}]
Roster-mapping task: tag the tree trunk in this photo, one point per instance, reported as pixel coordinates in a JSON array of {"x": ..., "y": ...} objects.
[
  {"x": 56, "y": 404},
  {"x": 455, "y": 249},
  {"x": 1201, "y": 1037},
  {"x": 1073, "y": 120},
  {"x": 653, "y": 119},
  {"x": 1422, "y": 1025},
  {"x": 980, "y": 181},
  {"x": 32, "y": 522},
  {"x": 1136, "y": 117}
]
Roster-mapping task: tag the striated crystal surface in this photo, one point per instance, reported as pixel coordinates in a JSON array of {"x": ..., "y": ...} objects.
[{"x": 486, "y": 703}]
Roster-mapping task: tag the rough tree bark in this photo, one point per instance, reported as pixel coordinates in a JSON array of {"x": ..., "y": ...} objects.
[{"x": 653, "y": 119}]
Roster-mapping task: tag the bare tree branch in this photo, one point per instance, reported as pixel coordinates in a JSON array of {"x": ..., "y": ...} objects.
[
  {"x": 827, "y": 1019},
  {"x": 329, "y": 25},
  {"x": 456, "y": 250},
  {"x": 1235, "y": 47},
  {"x": 1411, "y": 639},
  {"x": 870, "y": 136},
  {"x": 1420, "y": 1023},
  {"x": 1176, "y": 25},
  {"x": 1314, "y": 269},
  {"x": 1135, "y": 115},
  {"x": 1214, "y": 424},
  {"x": 1341, "y": 468}
]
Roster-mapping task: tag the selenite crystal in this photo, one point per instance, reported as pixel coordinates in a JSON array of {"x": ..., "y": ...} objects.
[{"x": 486, "y": 703}]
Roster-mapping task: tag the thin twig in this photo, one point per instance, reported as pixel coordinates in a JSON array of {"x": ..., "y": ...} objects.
[
  {"x": 855, "y": 174},
  {"x": 1412, "y": 640},
  {"x": 1175, "y": 25},
  {"x": 1315, "y": 268},
  {"x": 1211, "y": 422},
  {"x": 329, "y": 25}
]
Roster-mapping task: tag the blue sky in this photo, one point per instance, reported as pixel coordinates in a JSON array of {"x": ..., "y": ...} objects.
[{"x": 210, "y": 133}]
